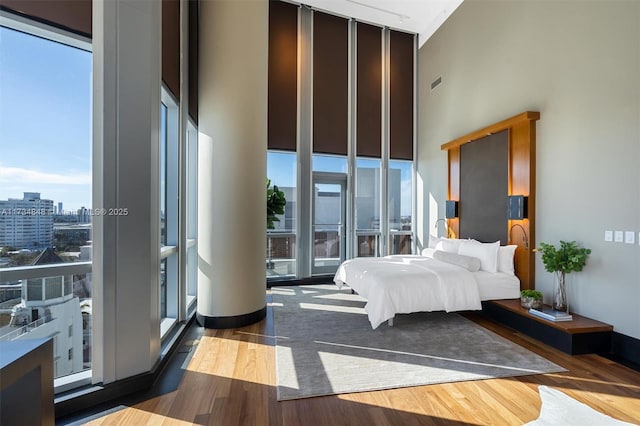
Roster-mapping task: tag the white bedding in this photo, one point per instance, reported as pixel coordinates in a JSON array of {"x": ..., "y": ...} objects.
[
  {"x": 497, "y": 286},
  {"x": 403, "y": 284}
]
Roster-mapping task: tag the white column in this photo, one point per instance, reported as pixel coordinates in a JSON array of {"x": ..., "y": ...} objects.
[
  {"x": 232, "y": 146},
  {"x": 126, "y": 121}
]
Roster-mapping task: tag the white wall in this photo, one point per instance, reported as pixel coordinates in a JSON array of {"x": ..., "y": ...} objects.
[{"x": 578, "y": 63}]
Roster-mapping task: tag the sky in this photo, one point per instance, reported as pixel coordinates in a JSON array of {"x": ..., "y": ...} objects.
[{"x": 45, "y": 120}]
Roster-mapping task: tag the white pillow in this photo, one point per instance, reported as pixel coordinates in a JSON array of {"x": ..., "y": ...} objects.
[
  {"x": 433, "y": 241},
  {"x": 428, "y": 252},
  {"x": 506, "y": 256},
  {"x": 451, "y": 245},
  {"x": 486, "y": 252},
  {"x": 469, "y": 263}
]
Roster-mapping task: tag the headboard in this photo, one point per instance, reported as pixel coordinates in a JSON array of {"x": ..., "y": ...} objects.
[{"x": 485, "y": 166}]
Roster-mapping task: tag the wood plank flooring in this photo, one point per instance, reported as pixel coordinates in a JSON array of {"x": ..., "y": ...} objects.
[{"x": 230, "y": 380}]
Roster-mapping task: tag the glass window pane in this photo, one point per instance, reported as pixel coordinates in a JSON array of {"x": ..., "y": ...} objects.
[
  {"x": 192, "y": 271},
  {"x": 53, "y": 287},
  {"x": 329, "y": 163},
  {"x": 368, "y": 207},
  {"x": 163, "y": 288},
  {"x": 281, "y": 241},
  {"x": 34, "y": 289},
  {"x": 192, "y": 212},
  {"x": 400, "y": 184},
  {"x": 400, "y": 206},
  {"x": 192, "y": 183},
  {"x": 45, "y": 177},
  {"x": 163, "y": 174}
]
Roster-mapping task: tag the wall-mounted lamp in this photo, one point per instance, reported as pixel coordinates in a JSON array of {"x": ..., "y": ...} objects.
[
  {"x": 445, "y": 226},
  {"x": 517, "y": 207},
  {"x": 525, "y": 240},
  {"x": 451, "y": 209}
]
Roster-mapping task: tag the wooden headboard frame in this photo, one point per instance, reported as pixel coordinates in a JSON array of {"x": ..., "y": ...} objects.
[{"x": 521, "y": 131}]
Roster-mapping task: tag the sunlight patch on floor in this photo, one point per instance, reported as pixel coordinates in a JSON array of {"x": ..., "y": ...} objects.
[
  {"x": 283, "y": 291},
  {"x": 439, "y": 358},
  {"x": 289, "y": 380},
  {"x": 333, "y": 308},
  {"x": 342, "y": 296}
]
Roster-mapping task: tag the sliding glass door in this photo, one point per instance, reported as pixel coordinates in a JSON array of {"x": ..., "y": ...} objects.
[{"x": 328, "y": 226}]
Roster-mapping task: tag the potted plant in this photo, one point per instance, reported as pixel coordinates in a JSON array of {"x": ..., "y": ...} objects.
[
  {"x": 530, "y": 298},
  {"x": 275, "y": 204},
  {"x": 561, "y": 261}
]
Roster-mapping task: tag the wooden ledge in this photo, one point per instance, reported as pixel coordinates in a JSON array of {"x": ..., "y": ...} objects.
[
  {"x": 578, "y": 325},
  {"x": 494, "y": 128}
]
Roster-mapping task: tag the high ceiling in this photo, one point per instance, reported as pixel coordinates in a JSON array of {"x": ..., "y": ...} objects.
[{"x": 417, "y": 16}]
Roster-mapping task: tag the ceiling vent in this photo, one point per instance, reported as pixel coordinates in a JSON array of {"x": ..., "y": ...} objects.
[{"x": 435, "y": 83}]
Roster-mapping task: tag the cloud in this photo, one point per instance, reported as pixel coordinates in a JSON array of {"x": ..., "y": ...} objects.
[{"x": 27, "y": 176}]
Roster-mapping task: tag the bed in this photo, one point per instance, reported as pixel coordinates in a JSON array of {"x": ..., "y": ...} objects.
[
  {"x": 441, "y": 279},
  {"x": 486, "y": 168}
]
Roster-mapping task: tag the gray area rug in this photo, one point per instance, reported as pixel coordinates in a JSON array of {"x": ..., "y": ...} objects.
[{"x": 325, "y": 346}]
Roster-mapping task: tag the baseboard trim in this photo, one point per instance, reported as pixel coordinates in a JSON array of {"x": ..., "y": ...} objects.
[
  {"x": 626, "y": 350},
  {"x": 236, "y": 321},
  {"x": 320, "y": 279}
]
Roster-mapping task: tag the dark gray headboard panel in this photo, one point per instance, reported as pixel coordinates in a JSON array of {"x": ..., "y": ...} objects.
[{"x": 484, "y": 185}]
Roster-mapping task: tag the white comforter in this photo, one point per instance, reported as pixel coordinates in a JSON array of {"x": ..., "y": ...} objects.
[{"x": 404, "y": 284}]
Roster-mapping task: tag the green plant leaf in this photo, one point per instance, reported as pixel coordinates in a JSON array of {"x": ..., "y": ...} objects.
[
  {"x": 276, "y": 203},
  {"x": 568, "y": 258}
]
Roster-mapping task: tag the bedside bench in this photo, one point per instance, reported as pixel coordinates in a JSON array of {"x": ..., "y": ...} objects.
[{"x": 581, "y": 335}]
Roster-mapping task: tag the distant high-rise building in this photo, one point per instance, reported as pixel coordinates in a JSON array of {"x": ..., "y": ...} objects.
[
  {"x": 83, "y": 215},
  {"x": 26, "y": 222},
  {"x": 60, "y": 207}
]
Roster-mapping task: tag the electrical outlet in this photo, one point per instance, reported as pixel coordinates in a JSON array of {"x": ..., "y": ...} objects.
[
  {"x": 630, "y": 237},
  {"x": 619, "y": 237},
  {"x": 608, "y": 235}
]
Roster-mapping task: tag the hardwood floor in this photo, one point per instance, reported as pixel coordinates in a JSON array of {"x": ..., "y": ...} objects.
[{"x": 230, "y": 380}]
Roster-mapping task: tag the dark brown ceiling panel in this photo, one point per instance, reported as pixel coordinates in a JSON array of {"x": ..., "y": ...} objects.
[
  {"x": 330, "y": 84},
  {"x": 369, "y": 91},
  {"x": 193, "y": 59},
  {"x": 171, "y": 46},
  {"x": 283, "y": 76},
  {"x": 69, "y": 15},
  {"x": 401, "y": 94}
]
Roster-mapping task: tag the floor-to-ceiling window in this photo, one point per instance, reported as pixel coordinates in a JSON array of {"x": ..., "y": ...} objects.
[
  {"x": 169, "y": 207},
  {"x": 341, "y": 99},
  {"x": 45, "y": 193}
]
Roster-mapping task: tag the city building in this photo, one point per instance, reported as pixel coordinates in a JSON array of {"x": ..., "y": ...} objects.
[
  {"x": 71, "y": 234},
  {"x": 48, "y": 307},
  {"x": 26, "y": 222}
]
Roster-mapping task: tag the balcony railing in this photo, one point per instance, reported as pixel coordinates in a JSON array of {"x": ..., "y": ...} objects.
[
  {"x": 368, "y": 243},
  {"x": 401, "y": 242},
  {"x": 281, "y": 254},
  {"x": 22, "y": 330},
  {"x": 281, "y": 247},
  {"x": 42, "y": 271}
]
